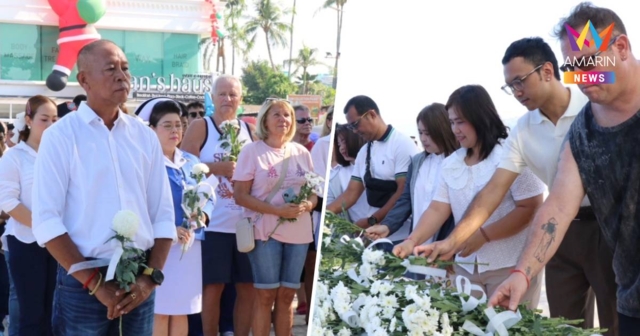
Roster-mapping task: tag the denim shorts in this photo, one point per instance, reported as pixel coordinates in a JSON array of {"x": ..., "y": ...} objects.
[{"x": 276, "y": 264}]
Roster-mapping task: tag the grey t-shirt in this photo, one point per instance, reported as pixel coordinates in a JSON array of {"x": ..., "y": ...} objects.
[{"x": 608, "y": 159}]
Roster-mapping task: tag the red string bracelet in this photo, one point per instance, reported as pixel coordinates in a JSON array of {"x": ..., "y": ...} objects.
[
  {"x": 93, "y": 275},
  {"x": 525, "y": 276}
]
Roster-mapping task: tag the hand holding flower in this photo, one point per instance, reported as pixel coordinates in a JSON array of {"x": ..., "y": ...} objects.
[
  {"x": 184, "y": 235},
  {"x": 142, "y": 288}
]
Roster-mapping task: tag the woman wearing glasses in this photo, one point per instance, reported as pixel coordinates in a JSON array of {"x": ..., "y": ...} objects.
[
  {"x": 33, "y": 270},
  {"x": 181, "y": 292},
  {"x": 268, "y": 172}
]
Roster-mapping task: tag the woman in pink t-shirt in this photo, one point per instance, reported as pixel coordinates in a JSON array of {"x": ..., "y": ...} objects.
[{"x": 279, "y": 254}]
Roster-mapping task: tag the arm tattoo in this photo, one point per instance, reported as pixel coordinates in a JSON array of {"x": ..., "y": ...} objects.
[
  {"x": 548, "y": 238},
  {"x": 528, "y": 271}
]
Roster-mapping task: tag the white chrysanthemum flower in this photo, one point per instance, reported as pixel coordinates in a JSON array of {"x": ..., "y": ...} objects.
[
  {"x": 447, "y": 329},
  {"x": 370, "y": 256},
  {"x": 232, "y": 122},
  {"x": 388, "y": 312},
  {"x": 344, "y": 332},
  {"x": 392, "y": 325},
  {"x": 410, "y": 291},
  {"x": 125, "y": 223},
  {"x": 317, "y": 331},
  {"x": 385, "y": 287},
  {"x": 388, "y": 301},
  {"x": 375, "y": 287},
  {"x": 200, "y": 168},
  {"x": 366, "y": 271}
]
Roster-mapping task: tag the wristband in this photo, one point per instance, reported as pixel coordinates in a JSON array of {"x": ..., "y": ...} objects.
[
  {"x": 484, "y": 234},
  {"x": 525, "y": 276},
  {"x": 93, "y": 275},
  {"x": 412, "y": 240},
  {"x": 95, "y": 289}
]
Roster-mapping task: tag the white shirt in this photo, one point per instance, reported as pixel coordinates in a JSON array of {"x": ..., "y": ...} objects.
[
  {"x": 319, "y": 157},
  {"x": 535, "y": 142},
  {"x": 85, "y": 174},
  {"x": 361, "y": 208},
  {"x": 16, "y": 181},
  {"x": 459, "y": 185},
  {"x": 390, "y": 159},
  {"x": 425, "y": 187}
]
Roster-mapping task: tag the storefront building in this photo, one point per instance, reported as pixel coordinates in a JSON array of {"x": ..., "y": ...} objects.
[{"x": 159, "y": 37}]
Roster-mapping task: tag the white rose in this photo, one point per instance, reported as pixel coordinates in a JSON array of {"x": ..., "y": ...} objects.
[
  {"x": 125, "y": 223},
  {"x": 200, "y": 168}
]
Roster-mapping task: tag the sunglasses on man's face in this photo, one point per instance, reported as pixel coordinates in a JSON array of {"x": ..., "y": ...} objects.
[
  {"x": 304, "y": 120},
  {"x": 193, "y": 115}
]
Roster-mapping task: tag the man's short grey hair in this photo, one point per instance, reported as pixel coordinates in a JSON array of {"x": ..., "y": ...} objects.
[{"x": 226, "y": 78}]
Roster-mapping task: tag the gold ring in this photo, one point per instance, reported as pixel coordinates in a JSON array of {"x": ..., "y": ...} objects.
[{"x": 133, "y": 296}]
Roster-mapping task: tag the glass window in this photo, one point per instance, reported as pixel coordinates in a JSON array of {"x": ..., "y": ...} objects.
[
  {"x": 19, "y": 47},
  {"x": 29, "y": 52},
  {"x": 115, "y": 36},
  {"x": 180, "y": 54},
  {"x": 49, "y": 52},
  {"x": 144, "y": 52}
]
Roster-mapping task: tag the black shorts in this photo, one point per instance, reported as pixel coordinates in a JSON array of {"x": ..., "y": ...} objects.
[{"x": 222, "y": 262}]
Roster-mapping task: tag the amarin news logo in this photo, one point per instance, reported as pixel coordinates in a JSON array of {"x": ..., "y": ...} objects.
[{"x": 601, "y": 41}]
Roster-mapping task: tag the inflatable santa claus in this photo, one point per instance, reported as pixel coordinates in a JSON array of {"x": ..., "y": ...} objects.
[{"x": 76, "y": 19}]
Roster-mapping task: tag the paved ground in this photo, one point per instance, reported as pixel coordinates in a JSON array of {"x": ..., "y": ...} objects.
[
  {"x": 299, "y": 326},
  {"x": 544, "y": 304}
]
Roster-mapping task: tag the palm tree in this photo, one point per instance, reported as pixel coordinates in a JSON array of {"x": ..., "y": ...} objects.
[
  {"x": 306, "y": 59},
  {"x": 338, "y": 6},
  {"x": 235, "y": 33},
  {"x": 268, "y": 19},
  {"x": 293, "y": 15},
  {"x": 208, "y": 53}
]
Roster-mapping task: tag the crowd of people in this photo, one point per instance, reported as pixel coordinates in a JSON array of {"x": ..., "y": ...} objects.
[
  {"x": 65, "y": 177},
  {"x": 475, "y": 193}
]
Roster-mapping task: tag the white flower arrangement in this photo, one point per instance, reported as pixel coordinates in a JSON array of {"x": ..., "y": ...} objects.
[{"x": 361, "y": 291}]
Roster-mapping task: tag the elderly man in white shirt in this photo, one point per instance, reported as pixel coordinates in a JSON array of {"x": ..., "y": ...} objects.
[{"x": 91, "y": 165}]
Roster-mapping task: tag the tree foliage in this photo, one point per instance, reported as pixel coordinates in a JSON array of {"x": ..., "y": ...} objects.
[{"x": 260, "y": 81}]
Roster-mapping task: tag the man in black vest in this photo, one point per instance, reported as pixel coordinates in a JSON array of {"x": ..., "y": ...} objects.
[{"x": 600, "y": 158}]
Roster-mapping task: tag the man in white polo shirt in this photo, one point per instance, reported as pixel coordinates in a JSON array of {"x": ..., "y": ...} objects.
[
  {"x": 583, "y": 264},
  {"x": 381, "y": 165},
  {"x": 92, "y": 164}
]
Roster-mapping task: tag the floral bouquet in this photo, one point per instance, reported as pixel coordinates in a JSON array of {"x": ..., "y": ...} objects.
[
  {"x": 231, "y": 143},
  {"x": 361, "y": 291},
  {"x": 126, "y": 260},
  {"x": 194, "y": 199},
  {"x": 313, "y": 185}
]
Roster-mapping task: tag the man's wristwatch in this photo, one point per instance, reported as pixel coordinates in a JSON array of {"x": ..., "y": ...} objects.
[
  {"x": 372, "y": 221},
  {"x": 156, "y": 275}
]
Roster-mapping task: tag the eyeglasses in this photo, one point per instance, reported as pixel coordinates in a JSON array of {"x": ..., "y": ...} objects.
[
  {"x": 193, "y": 115},
  {"x": 354, "y": 125},
  {"x": 169, "y": 127},
  {"x": 588, "y": 61},
  {"x": 304, "y": 120},
  {"x": 518, "y": 83},
  {"x": 273, "y": 100}
]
